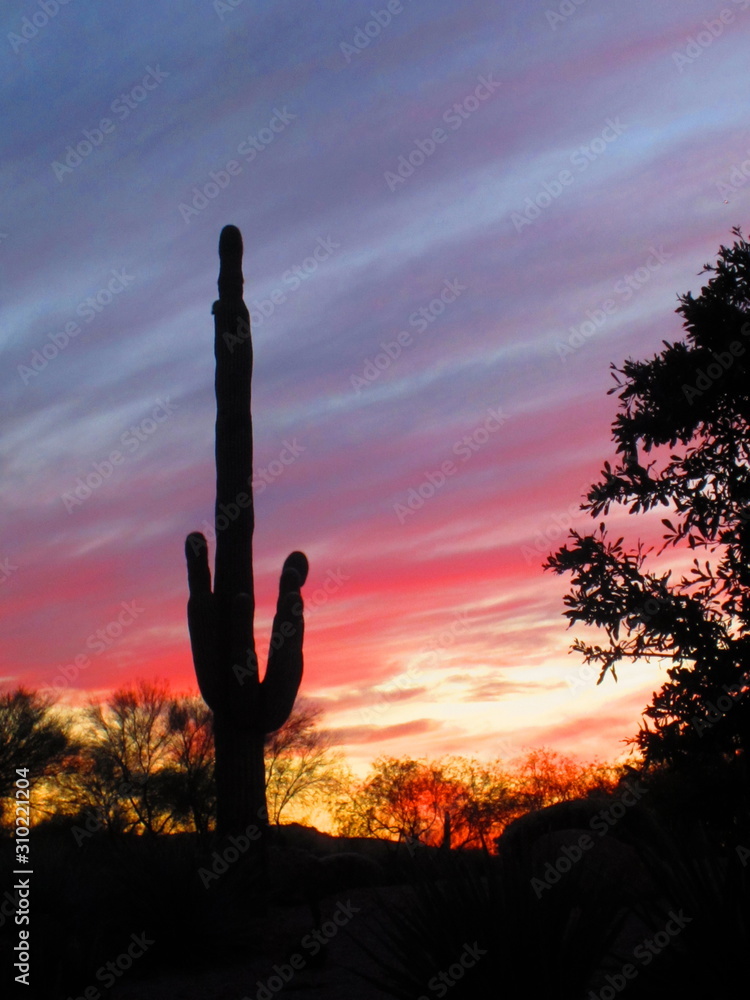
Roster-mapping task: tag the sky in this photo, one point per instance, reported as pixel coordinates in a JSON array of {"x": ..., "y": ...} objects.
[{"x": 455, "y": 217}]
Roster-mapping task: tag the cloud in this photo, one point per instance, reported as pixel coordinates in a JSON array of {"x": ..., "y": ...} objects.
[
  {"x": 471, "y": 553},
  {"x": 383, "y": 734}
]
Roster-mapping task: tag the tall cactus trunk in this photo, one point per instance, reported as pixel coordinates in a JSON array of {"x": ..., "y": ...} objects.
[
  {"x": 240, "y": 778},
  {"x": 239, "y": 800},
  {"x": 233, "y": 351},
  {"x": 245, "y": 708}
]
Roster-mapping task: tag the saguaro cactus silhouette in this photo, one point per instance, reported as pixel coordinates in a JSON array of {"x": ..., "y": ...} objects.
[{"x": 221, "y": 621}]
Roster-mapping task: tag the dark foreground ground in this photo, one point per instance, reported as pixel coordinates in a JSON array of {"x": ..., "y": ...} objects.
[
  {"x": 290, "y": 927},
  {"x": 641, "y": 911}
]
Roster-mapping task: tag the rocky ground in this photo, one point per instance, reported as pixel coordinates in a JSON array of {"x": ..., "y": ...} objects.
[{"x": 349, "y": 917}]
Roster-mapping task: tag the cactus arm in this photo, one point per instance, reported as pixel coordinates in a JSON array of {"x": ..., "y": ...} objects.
[
  {"x": 201, "y": 615},
  {"x": 285, "y": 663}
]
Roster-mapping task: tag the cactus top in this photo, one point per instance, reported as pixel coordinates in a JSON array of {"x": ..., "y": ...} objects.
[{"x": 230, "y": 267}]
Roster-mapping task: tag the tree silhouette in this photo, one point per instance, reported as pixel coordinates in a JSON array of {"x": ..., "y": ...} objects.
[
  {"x": 683, "y": 441},
  {"x": 145, "y": 759},
  {"x": 144, "y": 764},
  {"x": 543, "y": 777},
  {"x": 137, "y": 766},
  {"x": 483, "y": 798},
  {"x": 300, "y": 764},
  {"x": 407, "y": 800},
  {"x": 32, "y": 736},
  {"x": 191, "y": 759}
]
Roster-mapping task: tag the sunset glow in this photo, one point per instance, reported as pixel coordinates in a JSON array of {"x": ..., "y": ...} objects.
[{"x": 433, "y": 321}]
